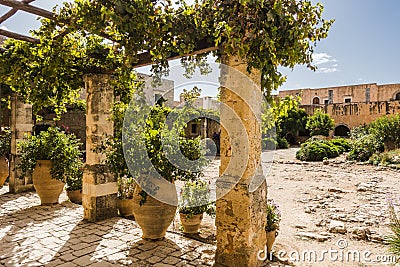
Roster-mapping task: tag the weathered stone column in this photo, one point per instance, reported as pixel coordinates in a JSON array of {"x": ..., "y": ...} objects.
[
  {"x": 240, "y": 217},
  {"x": 21, "y": 124},
  {"x": 99, "y": 186}
]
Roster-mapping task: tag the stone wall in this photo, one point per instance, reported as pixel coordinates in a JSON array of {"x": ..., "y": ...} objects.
[
  {"x": 356, "y": 93},
  {"x": 356, "y": 114}
]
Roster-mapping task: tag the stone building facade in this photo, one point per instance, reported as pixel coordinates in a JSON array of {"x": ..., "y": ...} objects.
[
  {"x": 360, "y": 93},
  {"x": 350, "y": 106}
]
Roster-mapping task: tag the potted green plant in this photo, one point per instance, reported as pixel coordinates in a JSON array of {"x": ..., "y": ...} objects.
[
  {"x": 73, "y": 186},
  {"x": 273, "y": 217},
  {"x": 194, "y": 201},
  {"x": 5, "y": 151},
  {"x": 126, "y": 188},
  {"x": 149, "y": 152},
  {"x": 112, "y": 147},
  {"x": 51, "y": 157}
]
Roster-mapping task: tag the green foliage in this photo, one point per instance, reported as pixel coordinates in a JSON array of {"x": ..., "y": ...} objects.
[
  {"x": 284, "y": 117},
  {"x": 5, "y": 143},
  {"x": 74, "y": 180},
  {"x": 62, "y": 149},
  {"x": 365, "y": 146},
  {"x": 50, "y": 74},
  {"x": 394, "y": 238},
  {"x": 317, "y": 149},
  {"x": 358, "y": 132},
  {"x": 266, "y": 34},
  {"x": 320, "y": 123},
  {"x": 282, "y": 143},
  {"x": 388, "y": 128},
  {"x": 389, "y": 158},
  {"x": 343, "y": 144},
  {"x": 268, "y": 143},
  {"x": 191, "y": 95},
  {"x": 126, "y": 187},
  {"x": 167, "y": 149},
  {"x": 273, "y": 217},
  {"x": 195, "y": 199}
]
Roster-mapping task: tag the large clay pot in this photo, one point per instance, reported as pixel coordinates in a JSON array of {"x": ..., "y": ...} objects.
[
  {"x": 191, "y": 224},
  {"x": 271, "y": 240},
  {"x": 47, "y": 188},
  {"x": 153, "y": 217},
  {"x": 3, "y": 170},
  {"x": 75, "y": 196},
  {"x": 125, "y": 207}
]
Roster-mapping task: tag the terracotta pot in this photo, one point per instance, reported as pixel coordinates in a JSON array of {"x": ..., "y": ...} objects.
[
  {"x": 75, "y": 196},
  {"x": 153, "y": 217},
  {"x": 271, "y": 240},
  {"x": 47, "y": 188},
  {"x": 3, "y": 170},
  {"x": 191, "y": 225},
  {"x": 125, "y": 207}
]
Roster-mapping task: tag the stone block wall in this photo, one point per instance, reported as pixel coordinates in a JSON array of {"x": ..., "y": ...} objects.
[
  {"x": 98, "y": 202},
  {"x": 356, "y": 114},
  {"x": 357, "y": 93}
]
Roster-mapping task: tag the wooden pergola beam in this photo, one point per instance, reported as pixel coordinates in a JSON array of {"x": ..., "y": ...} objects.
[
  {"x": 10, "y": 13},
  {"x": 202, "y": 47},
  {"x": 28, "y": 8},
  {"x": 18, "y": 36}
]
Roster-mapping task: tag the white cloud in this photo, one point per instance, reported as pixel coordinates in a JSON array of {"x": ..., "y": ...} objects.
[
  {"x": 4, "y": 28},
  {"x": 327, "y": 70},
  {"x": 327, "y": 60},
  {"x": 322, "y": 58}
]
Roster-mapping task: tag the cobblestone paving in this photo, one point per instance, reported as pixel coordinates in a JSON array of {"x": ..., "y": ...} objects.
[{"x": 34, "y": 235}]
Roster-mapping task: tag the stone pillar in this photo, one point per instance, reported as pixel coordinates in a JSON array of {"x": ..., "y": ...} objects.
[
  {"x": 240, "y": 215},
  {"x": 99, "y": 186},
  {"x": 21, "y": 124}
]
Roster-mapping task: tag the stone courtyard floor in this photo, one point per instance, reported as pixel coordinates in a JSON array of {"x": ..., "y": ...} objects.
[
  {"x": 340, "y": 206},
  {"x": 34, "y": 235}
]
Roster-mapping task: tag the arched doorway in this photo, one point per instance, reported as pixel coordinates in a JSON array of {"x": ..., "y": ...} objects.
[
  {"x": 342, "y": 130},
  {"x": 397, "y": 96},
  {"x": 316, "y": 100}
]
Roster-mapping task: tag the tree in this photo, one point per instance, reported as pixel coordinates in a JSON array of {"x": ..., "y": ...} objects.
[
  {"x": 320, "y": 123},
  {"x": 388, "y": 128},
  {"x": 285, "y": 117}
]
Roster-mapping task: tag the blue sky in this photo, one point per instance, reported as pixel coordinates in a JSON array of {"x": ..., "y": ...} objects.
[{"x": 362, "y": 47}]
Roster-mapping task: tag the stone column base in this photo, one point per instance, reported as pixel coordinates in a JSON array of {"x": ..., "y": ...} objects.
[{"x": 99, "y": 190}]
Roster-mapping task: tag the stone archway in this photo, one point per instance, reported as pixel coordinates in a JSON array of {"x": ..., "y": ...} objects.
[
  {"x": 397, "y": 96},
  {"x": 342, "y": 130}
]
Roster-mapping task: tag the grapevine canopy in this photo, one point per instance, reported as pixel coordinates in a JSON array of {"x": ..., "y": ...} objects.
[{"x": 115, "y": 36}]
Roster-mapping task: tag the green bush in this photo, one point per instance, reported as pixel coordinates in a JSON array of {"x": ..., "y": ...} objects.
[
  {"x": 55, "y": 145},
  {"x": 317, "y": 150},
  {"x": 386, "y": 158},
  {"x": 388, "y": 128},
  {"x": 320, "y": 123},
  {"x": 269, "y": 143},
  {"x": 358, "y": 132},
  {"x": 394, "y": 239},
  {"x": 5, "y": 143},
  {"x": 272, "y": 144},
  {"x": 365, "y": 146},
  {"x": 343, "y": 144},
  {"x": 282, "y": 143}
]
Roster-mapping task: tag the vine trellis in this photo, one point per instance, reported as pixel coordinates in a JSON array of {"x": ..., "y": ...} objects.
[{"x": 99, "y": 36}]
